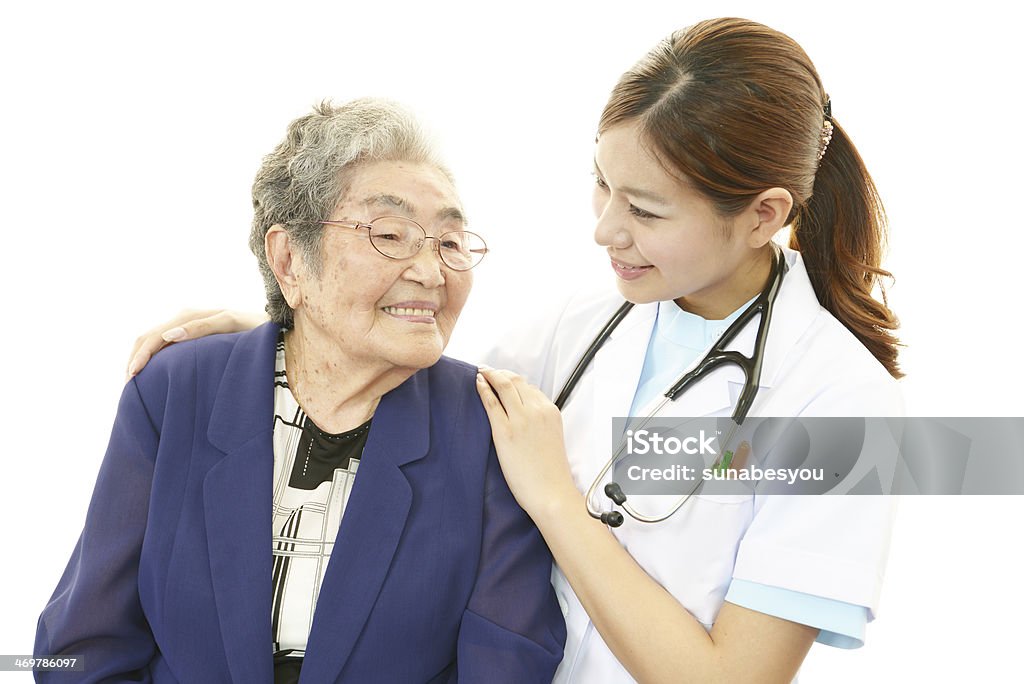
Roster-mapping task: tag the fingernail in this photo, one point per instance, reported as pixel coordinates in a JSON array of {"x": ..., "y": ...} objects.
[
  {"x": 173, "y": 335},
  {"x": 133, "y": 368}
]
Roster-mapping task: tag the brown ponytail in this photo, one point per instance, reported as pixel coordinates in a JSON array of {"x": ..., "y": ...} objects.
[
  {"x": 840, "y": 231},
  {"x": 737, "y": 108}
]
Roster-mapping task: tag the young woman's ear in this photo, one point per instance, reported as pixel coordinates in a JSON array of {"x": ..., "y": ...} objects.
[
  {"x": 767, "y": 215},
  {"x": 285, "y": 261}
]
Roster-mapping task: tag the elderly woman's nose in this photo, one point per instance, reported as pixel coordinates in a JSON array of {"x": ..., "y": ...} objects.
[{"x": 425, "y": 266}]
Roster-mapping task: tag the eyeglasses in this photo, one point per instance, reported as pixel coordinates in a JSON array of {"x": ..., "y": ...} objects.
[{"x": 397, "y": 237}]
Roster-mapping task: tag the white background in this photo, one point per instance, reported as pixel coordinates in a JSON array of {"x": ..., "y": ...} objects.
[{"x": 131, "y": 135}]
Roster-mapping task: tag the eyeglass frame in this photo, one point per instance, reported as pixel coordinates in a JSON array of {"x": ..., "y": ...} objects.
[{"x": 369, "y": 227}]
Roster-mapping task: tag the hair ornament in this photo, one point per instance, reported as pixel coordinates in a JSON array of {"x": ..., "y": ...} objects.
[{"x": 826, "y": 128}]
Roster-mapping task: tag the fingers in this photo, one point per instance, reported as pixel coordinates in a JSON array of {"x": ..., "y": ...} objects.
[
  {"x": 187, "y": 325},
  {"x": 213, "y": 324},
  {"x": 506, "y": 386},
  {"x": 492, "y": 405},
  {"x": 145, "y": 347}
]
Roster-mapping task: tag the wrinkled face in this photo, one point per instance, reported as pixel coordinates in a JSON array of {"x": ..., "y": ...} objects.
[
  {"x": 379, "y": 310},
  {"x": 665, "y": 240}
]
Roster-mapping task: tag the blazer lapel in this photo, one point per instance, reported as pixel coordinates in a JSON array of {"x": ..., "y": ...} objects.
[
  {"x": 237, "y": 495},
  {"x": 371, "y": 528}
]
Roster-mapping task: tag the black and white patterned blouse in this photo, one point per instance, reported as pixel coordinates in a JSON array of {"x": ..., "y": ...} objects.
[{"x": 313, "y": 476}]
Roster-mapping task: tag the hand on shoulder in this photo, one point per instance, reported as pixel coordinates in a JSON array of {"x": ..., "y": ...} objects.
[{"x": 188, "y": 325}]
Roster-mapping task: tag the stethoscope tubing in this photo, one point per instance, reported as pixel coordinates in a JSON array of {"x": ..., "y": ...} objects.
[
  {"x": 588, "y": 355},
  {"x": 715, "y": 357}
]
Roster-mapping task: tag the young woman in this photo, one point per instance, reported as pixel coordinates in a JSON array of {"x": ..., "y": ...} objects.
[{"x": 713, "y": 143}]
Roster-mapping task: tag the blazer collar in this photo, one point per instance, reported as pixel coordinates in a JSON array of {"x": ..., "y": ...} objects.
[
  {"x": 238, "y": 491},
  {"x": 244, "y": 403}
]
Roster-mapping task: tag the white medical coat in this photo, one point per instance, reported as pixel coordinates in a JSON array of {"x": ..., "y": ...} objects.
[{"x": 829, "y": 546}]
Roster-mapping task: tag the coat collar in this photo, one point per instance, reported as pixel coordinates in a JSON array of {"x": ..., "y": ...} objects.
[
  {"x": 237, "y": 494},
  {"x": 244, "y": 403},
  {"x": 621, "y": 360},
  {"x": 795, "y": 311}
]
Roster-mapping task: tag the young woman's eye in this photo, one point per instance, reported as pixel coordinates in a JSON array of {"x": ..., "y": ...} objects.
[
  {"x": 640, "y": 213},
  {"x": 599, "y": 182}
]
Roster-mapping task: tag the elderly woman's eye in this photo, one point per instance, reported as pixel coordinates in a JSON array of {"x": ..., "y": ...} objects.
[{"x": 387, "y": 236}]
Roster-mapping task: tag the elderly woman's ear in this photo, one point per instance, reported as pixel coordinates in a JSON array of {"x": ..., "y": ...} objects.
[{"x": 286, "y": 261}]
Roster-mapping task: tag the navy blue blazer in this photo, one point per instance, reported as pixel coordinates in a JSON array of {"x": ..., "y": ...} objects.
[{"x": 437, "y": 574}]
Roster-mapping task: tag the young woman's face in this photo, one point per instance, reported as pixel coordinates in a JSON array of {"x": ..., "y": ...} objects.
[{"x": 665, "y": 240}]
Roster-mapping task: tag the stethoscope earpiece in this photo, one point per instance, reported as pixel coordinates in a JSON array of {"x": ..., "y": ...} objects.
[
  {"x": 612, "y": 519},
  {"x": 614, "y": 492}
]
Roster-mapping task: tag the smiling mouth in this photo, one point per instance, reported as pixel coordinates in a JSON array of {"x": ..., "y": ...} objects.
[
  {"x": 627, "y": 272},
  {"x": 405, "y": 311},
  {"x": 411, "y": 314},
  {"x": 627, "y": 267}
]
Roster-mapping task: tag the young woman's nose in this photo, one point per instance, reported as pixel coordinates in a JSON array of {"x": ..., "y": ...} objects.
[{"x": 610, "y": 230}]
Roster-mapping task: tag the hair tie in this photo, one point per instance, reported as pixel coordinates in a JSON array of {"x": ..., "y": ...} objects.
[{"x": 826, "y": 128}]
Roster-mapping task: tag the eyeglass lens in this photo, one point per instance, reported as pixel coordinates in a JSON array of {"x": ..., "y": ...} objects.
[{"x": 402, "y": 238}]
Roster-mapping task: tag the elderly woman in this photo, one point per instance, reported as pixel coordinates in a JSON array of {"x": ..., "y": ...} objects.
[{"x": 321, "y": 492}]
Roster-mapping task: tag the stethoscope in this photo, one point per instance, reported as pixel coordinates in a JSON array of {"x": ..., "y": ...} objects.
[{"x": 715, "y": 357}]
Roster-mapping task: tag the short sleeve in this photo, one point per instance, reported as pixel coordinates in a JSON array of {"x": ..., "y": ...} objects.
[
  {"x": 833, "y": 547},
  {"x": 839, "y": 624}
]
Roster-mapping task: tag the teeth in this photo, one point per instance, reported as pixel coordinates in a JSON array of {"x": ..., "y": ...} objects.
[{"x": 403, "y": 311}]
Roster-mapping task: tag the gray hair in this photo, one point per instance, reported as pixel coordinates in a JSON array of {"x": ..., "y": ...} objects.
[{"x": 307, "y": 175}]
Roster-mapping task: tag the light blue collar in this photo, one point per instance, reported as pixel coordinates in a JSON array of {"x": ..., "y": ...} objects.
[
  {"x": 689, "y": 330},
  {"x": 677, "y": 338}
]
